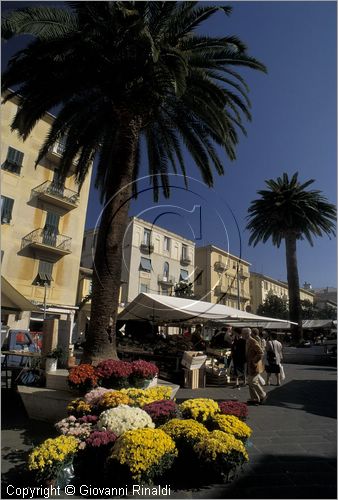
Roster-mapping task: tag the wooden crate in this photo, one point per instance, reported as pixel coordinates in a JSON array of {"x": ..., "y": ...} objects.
[{"x": 194, "y": 379}]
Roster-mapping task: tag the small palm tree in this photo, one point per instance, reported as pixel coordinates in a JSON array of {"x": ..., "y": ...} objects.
[
  {"x": 286, "y": 211},
  {"x": 119, "y": 71}
]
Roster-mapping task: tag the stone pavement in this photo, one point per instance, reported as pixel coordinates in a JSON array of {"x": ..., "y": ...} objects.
[{"x": 292, "y": 450}]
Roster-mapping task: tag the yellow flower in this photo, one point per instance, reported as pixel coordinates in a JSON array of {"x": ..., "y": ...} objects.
[
  {"x": 232, "y": 425},
  {"x": 112, "y": 399},
  {"x": 217, "y": 445},
  {"x": 51, "y": 452},
  {"x": 182, "y": 431},
  {"x": 141, "y": 397},
  {"x": 142, "y": 449},
  {"x": 200, "y": 409},
  {"x": 78, "y": 407}
]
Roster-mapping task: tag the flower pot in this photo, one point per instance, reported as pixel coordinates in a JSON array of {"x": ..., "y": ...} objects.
[{"x": 51, "y": 364}]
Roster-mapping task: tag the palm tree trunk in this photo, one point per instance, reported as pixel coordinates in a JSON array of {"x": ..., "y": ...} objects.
[
  {"x": 101, "y": 339},
  {"x": 293, "y": 285}
]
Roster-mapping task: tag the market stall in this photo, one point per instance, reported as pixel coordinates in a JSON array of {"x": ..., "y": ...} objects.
[{"x": 162, "y": 310}]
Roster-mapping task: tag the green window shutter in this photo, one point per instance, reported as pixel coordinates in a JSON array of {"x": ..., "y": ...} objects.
[
  {"x": 52, "y": 222},
  {"x": 45, "y": 273},
  {"x": 6, "y": 209},
  {"x": 13, "y": 162}
]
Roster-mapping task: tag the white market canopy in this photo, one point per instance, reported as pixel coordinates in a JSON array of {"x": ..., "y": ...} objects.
[{"x": 162, "y": 308}]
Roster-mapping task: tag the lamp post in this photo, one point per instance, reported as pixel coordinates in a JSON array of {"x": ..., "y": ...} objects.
[{"x": 45, "y": 284}]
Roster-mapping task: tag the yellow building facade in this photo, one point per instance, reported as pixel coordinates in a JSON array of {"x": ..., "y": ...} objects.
[
  {"x": 42, "y": 222},
  {"x": 221, "y": 278},
  {"x": 262, "y": 286}
]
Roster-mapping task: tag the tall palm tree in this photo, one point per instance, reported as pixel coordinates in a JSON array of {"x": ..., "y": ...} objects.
[
  {"x": 286, "y": 211},
  {"x": 119, "y": 71}
]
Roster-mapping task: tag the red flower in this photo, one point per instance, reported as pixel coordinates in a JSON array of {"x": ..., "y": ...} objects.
[
  {"x": 235, "y": 408},
  {"x": 161, "y": 411},
  {"x": 111, "y": 368},
  {"x": 143, "y": 369},
  {"x": 82, "y": 375}
]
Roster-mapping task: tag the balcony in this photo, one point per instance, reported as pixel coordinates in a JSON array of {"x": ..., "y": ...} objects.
[
  {"x": 243, "y": 275},
  {"x": 57, "y": 195},
  {"x": 56, "y": 151},
  {"x": 220, "y": 290},
  {"x": 147, "y": 247},
  {"x": 185, "y": 260},
  {"x": 166, "y": 280},
  {"x": 220, "y": 267},
  {"x": 48, "y": 242}
]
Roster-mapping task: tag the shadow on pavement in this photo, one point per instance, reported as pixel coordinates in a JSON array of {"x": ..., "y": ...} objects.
[{"x": 314, "y": 396}]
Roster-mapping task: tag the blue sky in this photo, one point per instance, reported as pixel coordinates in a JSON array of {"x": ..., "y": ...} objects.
[{"x": 294, "y": 128}]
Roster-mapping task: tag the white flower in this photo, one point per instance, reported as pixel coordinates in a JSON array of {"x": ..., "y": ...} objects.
[{"x": 124, "y": 418}]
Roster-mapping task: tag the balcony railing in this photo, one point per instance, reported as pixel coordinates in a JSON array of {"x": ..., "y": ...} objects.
[
  {"x": 147, "y": 247},
  {"x": 166, "y": 280},
  {"x": 220, "y": 266},
  {"x": 58, "y": 194},
  {"x": 185, "y": 260},
  {"x": 58, "y": 149},
  {"x": 220, "y": 290},
  {"x": 48, "y": 240}
]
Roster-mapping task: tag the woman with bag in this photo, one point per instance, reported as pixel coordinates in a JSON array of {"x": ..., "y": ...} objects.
[{"x": 274, "y": 356}]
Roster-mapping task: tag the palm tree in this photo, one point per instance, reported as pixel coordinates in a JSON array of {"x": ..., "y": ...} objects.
[
  {"x": 120, "y": 71},
  {"x": 288, "y": 212}
]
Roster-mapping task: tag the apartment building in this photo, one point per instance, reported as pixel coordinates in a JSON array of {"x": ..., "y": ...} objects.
[
  {"x": 222, "y": 278},
  {"x": 42, "y": 222},
  {"x": 154, "y": 259},
  {"x": 262, "y": 286}
]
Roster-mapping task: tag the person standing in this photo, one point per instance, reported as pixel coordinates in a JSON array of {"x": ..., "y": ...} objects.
[
  {"x": 254, "y": 360},
  {"x": 274, "y": 356},
  {"x": 238, "y": 358}
]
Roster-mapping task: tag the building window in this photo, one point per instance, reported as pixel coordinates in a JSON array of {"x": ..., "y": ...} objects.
[
  {"x": 265, "y": 285},
  {"x": 143, "y": 288},
  {"x": 234, "y": 265},
  {"x": 145, "y": 265},
  {"x": 184, "y": 275},
  {"x": 90, "y": 287},
  {"x": 57, "y": 186},
  {"x": 199, "y": 278},
  {"x": 44, "y": 276},
  {"x": 184, "y": 252},
  {"x": 166, "y": 270},
  {"x": 166, "y": 244},
  {"x": 13, "y": 162},
  {"x": 6, "y": 209},
  {"x": 164, "y": 290},
  {"x": 146, "y": 237},
  {"x": 51, "y": 229}
]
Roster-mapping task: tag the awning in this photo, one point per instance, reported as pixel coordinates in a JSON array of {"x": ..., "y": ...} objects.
[
  {"x": 309, "y": 324},
  {"x": 162, "y": 308},
  {"x": 145, "y": 264},
  {"x": 14, "y": 300}
]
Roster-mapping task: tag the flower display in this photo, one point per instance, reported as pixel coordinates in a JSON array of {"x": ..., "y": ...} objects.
[
  {"x": 146, "y": 452},
  {"x": 78, "y": 407},
  {"x": 161, "y": 411},
  {"x": 231, "y": 425},
  {"x": 111, "y": 399},
  {"x": 113, "y": 373},
  {"x": 93, "y": 397},
  {"x": 235, "y": 408},
  {"x": 184, "y": 432},
  {"x": 70, "y": 426},
  {"x": 82, "y": 377},
  {"x": 200, "y": 409},
  {"x": 98, "y": 439},
  {"x": 220, "y": 445},
  {"x": 142, "y": 370},
  {"x": 141, "y": 397},
  {"x": 48, "y": 458},
  {"x": 123, "y": 418}
]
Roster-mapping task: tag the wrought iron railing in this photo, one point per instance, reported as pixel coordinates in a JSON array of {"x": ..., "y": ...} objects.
[
  {"x": 57, "y": 190},
  {"x": 48, "y": 238},
  {"x": 169, "y": 280}
]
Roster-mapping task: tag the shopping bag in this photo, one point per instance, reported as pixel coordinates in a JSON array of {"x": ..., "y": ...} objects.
[{"x": 282, "y": 373}]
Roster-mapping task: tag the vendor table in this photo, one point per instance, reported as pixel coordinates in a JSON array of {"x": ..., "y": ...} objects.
[{"x": 26, "y": 361}]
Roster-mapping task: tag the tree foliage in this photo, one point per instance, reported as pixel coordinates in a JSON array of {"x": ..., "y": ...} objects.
[{"x": 273, "y": 307}]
